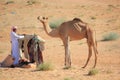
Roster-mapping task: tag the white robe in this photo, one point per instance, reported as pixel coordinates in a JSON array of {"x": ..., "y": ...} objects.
[{"x": 15, "y": 47}]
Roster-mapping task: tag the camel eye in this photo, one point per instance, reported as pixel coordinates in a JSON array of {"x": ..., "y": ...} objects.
[{"x": 43, "y": 17}]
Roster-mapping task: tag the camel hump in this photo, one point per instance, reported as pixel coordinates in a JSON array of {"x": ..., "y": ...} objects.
[{"x": 77, "y": 19}]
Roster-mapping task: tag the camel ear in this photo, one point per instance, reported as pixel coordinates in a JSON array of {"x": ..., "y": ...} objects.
[{"x": 46, "y": 18}]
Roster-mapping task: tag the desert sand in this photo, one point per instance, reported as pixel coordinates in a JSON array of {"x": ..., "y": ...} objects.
[{"x": 102, "y": 15}]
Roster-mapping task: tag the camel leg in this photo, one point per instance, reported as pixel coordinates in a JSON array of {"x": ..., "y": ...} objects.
[
  {"x": 40, "y": 56},
  {"x": 89, "y": 54},
  {"x": 36, "y": 59},
  {"x": 26, "y": 49},
  {"x": 95, "y": 52},
  {"x": 67, "y": 52},
  {"x": 94, "y": 44},
  {"x": 36, "y": 55}
]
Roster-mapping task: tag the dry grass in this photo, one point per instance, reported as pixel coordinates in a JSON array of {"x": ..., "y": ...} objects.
[
  {"x": 45, "y": 67},
  {"x": 25, "y": 18},
  {"x": 93, "y": 72},
  {"x": 10, "y": 2},
  {"x": 57, "y": 22},
  {"x": 110, "y": 36},
  {"x": 68, "y": 78}
]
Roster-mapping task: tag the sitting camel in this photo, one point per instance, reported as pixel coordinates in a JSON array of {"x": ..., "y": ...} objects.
[
  {"x": 34, "y": 45},
  {"x": 35, "y": 50},
  {"x": 68, "y": 31},
  {"x": 23, "y": 45}
]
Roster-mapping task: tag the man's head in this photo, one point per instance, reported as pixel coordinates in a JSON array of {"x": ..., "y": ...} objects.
[{"x": 14, "y": 28}]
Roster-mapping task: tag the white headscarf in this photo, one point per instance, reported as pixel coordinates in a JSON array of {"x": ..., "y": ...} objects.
[{"x": 14, "y": 27}]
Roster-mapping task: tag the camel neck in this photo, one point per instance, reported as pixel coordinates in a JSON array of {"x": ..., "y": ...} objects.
[
  {"x": 47, "y": 28},
  {"x": 49, "y": 31}
]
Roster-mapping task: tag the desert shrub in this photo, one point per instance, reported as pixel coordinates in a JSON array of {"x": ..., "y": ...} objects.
[
  {"x": 93, "y": 72},
  {"x": 93, "y": 18},
  {"x": 111, "y": 20},
  {"x": 9, "y": 2},
  {"x": 110, "y": 36},
  {"x": 67, "y": 78},
  {"x": 56, "y": 23},
  {"x": 65, "y": 68},
  {"x": 30, "y": 2},
  {"x": 45, "y": 67},
  {"x": 111, "y": 7},
  {"x": 109, "y": 72}
]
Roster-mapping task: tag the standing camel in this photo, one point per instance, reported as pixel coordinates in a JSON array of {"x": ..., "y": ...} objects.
[{"x": 68, "y": 31}]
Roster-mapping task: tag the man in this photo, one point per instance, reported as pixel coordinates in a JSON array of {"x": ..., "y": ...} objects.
[{"x": 15, "y": 45}]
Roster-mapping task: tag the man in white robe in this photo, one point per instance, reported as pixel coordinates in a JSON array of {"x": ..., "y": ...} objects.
[{"x": 15, "y": 45}]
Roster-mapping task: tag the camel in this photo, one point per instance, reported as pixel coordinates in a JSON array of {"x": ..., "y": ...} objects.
[
  {"x": 32, "y": 46},
  {"x": 35, "y": 51},
  {"x": 23, "y": 45},
  {"x": 72, "y": 30}
]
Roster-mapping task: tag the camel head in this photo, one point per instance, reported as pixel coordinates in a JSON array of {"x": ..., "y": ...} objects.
[{"x": 42, "y": 19}]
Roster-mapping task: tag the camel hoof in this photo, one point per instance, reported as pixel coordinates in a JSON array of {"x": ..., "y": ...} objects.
[
  {"x": 93, "y": 67},
  {"x": 83, "y": 66},
  {"x": 67, "y": 67}
]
